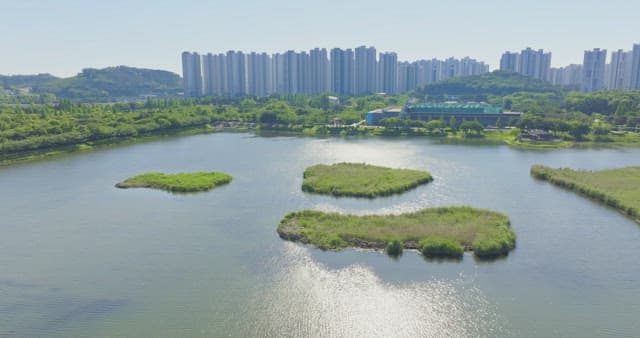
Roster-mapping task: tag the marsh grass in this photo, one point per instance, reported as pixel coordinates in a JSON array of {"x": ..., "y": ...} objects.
[
  {"x": 469, "y": 228},
  {"x": 617, "y": 188},
  {"x": 361, "y": 180},
  {"x": 181, "y": 183}
]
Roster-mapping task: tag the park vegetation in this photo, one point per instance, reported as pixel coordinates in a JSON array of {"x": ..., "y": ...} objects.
[
  {"x": 27, "y": 128},
  {"x": 39, "y": 120},
  {"x": 478, "y": 88},
  {"x": 617, "y": 188},
  {"x": 361, "y": 180},
  {"x": 180, "y": 183},
  {"x": 444, "y": 232}
]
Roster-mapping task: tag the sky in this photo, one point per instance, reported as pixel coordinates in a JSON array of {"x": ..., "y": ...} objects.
[{"x": 61, "y": 37}]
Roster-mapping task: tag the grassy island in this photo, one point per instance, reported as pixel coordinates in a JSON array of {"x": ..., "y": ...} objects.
[
  {"x": 436, "y": 232},
  {"x": 182, "y": 182},
  {"x": 618, "y": 188},
  {"x": 361, "y": 180}
]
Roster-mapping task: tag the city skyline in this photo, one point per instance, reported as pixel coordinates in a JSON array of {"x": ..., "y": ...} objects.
[
  {"x": 358, "y": 71},
  {"x": 352, "y": 71},
  {"x": 134, "y": 33}
]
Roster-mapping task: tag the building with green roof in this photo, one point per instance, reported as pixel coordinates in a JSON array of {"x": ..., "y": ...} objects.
[{"x": 487, "y": 114}]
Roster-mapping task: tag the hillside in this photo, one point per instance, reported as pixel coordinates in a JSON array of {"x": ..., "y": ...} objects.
[
  {"x": 113, "y": 82},
  {"x": 495, "y": 83},
  {"x": 21, "y": 81},
  {"x": 98, "y": 85}
]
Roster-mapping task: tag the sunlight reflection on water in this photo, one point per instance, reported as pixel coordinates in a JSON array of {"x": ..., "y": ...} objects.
[
  {"x": 310, "y": 300},
  {"x": 411, "y": 156}
]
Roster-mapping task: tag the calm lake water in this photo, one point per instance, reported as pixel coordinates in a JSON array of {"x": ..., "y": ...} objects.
[{"x": 79, "y": 257}]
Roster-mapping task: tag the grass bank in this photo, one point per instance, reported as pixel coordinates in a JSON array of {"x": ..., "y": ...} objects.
[
  {"x": 436, "y": 232},
  {"x": 182, "y": 182},
  {"x": 38, "y": 154},
  {"x": 617, "y": 188},
  {"x": 361, "y": 180}
]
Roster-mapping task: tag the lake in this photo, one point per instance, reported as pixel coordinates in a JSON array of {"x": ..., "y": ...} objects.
[{"x": 79, "y": 257}]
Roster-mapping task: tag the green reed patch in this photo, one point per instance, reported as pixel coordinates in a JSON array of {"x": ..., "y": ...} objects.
[
  {"x": 361, "y": 180},
  {"x": 182, "y": 182},
  {"x": 444, "y": 232}
]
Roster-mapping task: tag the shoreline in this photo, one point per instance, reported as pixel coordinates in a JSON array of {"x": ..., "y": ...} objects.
[
  {"x": 546, "y": 174},
  {"x": 490, "y": 138}
]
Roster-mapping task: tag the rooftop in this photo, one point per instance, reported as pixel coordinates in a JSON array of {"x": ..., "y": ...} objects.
[{"x": 454, "y": 107}]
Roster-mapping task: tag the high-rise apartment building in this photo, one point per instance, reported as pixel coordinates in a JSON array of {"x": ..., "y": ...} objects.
[
  {"x": 426, "y": 72},
  {"x": 509, "y": 62},
  {"x": 236, "y": 73},
  {"x": 593, "y": 69},
  {"x": 635, "y": 68},
  {"x": 342, "y": 71},
  {"x": 318, "y": 71},
  {"x": 259, "y": 74},
  {"x": 529, "y": 62},
  {"x": 290, "y": 72},
  {"x": 534, "y": 63},
  {"x": 570, "y": 76},
  {"x": 214, "y": 73},
  {"x": 366, "y": 67},
  {"x": 304, "y": 80},
  {"x": 469, "y": 67},
  {"x": 192, "y": 74},
  {"x": 388, "y": 72},
  {"x": 407, "y": 76},
  {"x": 619, "y": 75}
]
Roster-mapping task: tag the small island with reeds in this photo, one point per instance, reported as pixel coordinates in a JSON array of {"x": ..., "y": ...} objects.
[
  {"x": 179, "y": 183},
  {"x": 444, "y": 232},
  {"x": 617, "y": 188},
  {"x": 361, "y": 180}
]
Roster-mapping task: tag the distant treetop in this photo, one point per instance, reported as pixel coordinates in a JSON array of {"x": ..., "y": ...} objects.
[{"x": 494, "y": 83}]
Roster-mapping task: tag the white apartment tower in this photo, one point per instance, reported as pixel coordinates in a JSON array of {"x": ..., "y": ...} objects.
[
  {"x": 236, "y": 73},
  {"x": 388, "y": 72},
  {"x": 366, "y": 70},
  {"x": 593, "y": 69},
  {"x": 318, "y": 71},
  {"x": 535, "y": 63},
  {"x": 635, "y": 68},
  {"x": 342, "y": 71},
  {"x": 509, "y": 62},
  {"x": 259, "y": 74},
  {"x": 192, "y": 74},
  {"x": 214, "y": 72},
  {"x": 620, "y": 70}
]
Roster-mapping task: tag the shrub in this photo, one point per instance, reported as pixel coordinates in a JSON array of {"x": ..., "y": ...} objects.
[
  {"x": 441, "y": 247},
  {"x": 485, "y": 247},
  {"x": 394, "y": 248}
]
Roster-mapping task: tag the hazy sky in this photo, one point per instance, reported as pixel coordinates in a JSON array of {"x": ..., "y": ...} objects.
[{"x": 63, "y": 36}]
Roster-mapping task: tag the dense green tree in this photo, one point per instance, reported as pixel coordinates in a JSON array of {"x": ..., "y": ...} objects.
[
  {"x": 471, "y": 127},
  {"x": 579, "y": 129}
]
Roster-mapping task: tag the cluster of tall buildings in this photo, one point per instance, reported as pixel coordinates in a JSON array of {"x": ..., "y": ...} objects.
[
  {"x": 623, "y": 72},
  {"x": 423, "y": 72},
  {"x": 363, "y": 70},
  {"x": 529, "y": 62},
  {"x": 356, "y": 71},
  {"x": 594, "y": 74}
]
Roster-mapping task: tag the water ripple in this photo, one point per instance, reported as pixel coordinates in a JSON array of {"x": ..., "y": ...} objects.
[{"x": 310, "y": 300}]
